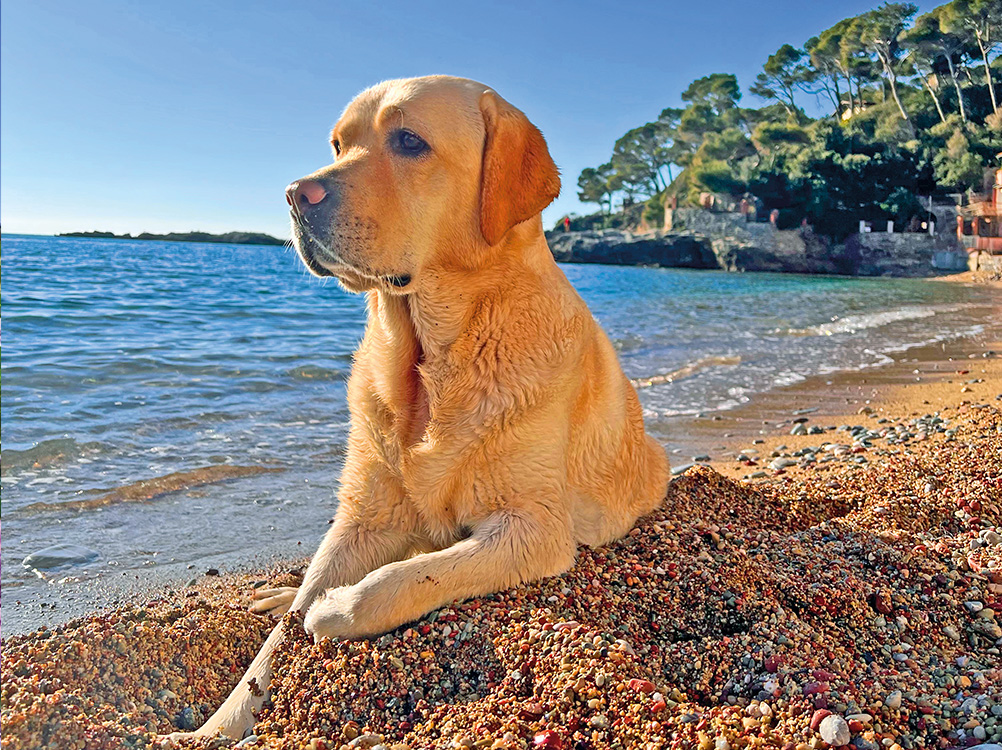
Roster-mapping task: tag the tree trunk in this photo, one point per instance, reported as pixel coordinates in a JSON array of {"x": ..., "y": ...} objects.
[
  {"x": 935, "y": 99},
  {"x": 892, "y": 80},
  {"x": 852, "y": 103},
  {"x": 792, "y": 108},
  {"x": 838, "y": 99},
  {"x": 988, "y": 72},
  {"x": 956, "y": 86},
  {"x": 897, "y": 100}
]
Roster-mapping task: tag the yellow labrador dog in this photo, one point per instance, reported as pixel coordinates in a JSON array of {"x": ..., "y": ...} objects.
[{"x": 492, "y": 429}]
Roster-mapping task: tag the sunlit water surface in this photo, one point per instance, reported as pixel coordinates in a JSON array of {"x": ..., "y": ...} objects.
[{"x": 125, "y": 361}]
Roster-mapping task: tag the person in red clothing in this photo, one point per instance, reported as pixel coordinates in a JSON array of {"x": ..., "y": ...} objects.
[{"x": 567, "y": 223}]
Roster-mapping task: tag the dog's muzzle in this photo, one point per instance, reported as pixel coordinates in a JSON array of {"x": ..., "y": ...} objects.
[{"x": 312, "y": 203}]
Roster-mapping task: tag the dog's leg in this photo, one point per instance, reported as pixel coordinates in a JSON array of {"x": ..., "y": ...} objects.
[
  {"x": 506, "y": 549},
  {"x": 347, "y": 553},
  {"x": 273, "y": 601}
]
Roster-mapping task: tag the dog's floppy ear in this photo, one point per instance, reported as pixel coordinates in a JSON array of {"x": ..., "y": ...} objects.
[{"x": 518, "y": 178}]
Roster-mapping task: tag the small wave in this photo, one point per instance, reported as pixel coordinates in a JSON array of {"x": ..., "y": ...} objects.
[
  {"x": 315, "y": 372},
  {"x": 148, "y": 489},
  {"x": 959, "y": 333},
  {"x": 59, "y": 556},
  {"x": 44, "y": 453},
  {"x": 200, "y": 421},
  {"x": 880, "y": 359},
  {"x": 854, "y": 323},
  {"x": 786, "y": 378},
  {"x": 683, "y": 372}
]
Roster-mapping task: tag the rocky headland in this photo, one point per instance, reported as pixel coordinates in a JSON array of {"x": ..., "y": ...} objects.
[{"x": 698, "y": 238}]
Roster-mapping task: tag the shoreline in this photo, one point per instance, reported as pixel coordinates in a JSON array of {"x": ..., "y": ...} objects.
[
  {"x": 723, "y": 240},
  {"x": 965, "y": 374},
  {"x": 839, "y": 396},
  {"x": 741, "y": 614},
  {"x": 716, "y": 439},
  {"x": 726, "y": 432},
  {"x": 225, "y": 238},
  {"x": 835, "y": 395}
]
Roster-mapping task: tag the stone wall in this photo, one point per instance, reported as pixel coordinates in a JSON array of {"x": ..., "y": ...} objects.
[
  {"x": 759, "y": 246},
  {"x": 883, "y": 254},
  {"x": 983, "y": 262},
  {"x": 713, "y": 223},
  {"x": 953, "y": 261}
]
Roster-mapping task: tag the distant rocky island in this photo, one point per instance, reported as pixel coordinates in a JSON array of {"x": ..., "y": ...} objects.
[{"x": 232, "y": 238}]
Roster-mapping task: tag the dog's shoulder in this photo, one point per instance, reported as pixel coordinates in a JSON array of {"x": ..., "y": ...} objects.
[{"x": 521, "y": 330}]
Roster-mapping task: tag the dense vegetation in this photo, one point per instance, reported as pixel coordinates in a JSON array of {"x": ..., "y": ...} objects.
[
  {"x": 913, "y": 110},
  {"x": 232, "y": 238}
]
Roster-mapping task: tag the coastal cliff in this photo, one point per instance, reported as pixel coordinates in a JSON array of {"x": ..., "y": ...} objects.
[
  {"x": 698, "y": 238},
  {"x": 619, "y": 248}
]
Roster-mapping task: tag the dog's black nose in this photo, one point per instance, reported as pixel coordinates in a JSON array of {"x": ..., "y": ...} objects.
[{"x": 305, "y": 193}]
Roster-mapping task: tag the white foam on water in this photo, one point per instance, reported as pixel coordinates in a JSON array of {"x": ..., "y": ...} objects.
[
  {"x": 686, "y": 370},
  {"x": 865, "y": 321},
  {"x": 787, "y": 378},
  {"x": 959, "y": 333}
]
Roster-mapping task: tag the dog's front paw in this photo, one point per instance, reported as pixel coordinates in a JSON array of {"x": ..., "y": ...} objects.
[
  {"x": 176, "y": 740},
  {"x": 333, "y": 614},
  {"x": 275, "y": 602}
]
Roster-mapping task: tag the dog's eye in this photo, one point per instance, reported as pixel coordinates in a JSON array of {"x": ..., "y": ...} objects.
[
  {"x": 337, "y": 147},
  {"x": 406, "y": 143}
]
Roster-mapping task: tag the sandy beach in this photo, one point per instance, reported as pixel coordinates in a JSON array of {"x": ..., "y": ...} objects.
[
  {"x": 285, "y": 288},
  {"x": 832, "y": 588}
]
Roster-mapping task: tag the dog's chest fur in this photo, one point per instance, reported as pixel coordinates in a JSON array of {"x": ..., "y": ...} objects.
[{"x": 449, "y": 416}]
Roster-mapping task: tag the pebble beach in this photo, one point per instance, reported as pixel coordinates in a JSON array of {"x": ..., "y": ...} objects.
[{"x": 838, "y": 584}]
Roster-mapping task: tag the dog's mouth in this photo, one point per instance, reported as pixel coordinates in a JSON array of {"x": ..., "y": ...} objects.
[
  {"x": 323, "y": 262},
  {"x": 398, "y": 281},
  {"x": 316, "y": 267}
]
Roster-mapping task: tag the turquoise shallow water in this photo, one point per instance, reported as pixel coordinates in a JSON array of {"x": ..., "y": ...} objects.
[{"x": 131, "y": 360}]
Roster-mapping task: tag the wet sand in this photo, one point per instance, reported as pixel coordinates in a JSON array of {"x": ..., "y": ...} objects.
[
  {"x": 847, "y": 594},
  {"x": 150, "y": 489},
  {"x": 938, "y": 372}
]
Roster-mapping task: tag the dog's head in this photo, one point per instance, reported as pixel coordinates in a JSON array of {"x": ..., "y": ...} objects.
[{"x": 426, "y": 171}]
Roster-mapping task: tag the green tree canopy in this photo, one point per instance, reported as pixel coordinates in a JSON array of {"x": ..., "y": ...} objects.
[
  {"x": 878, "y": 31},
  {"x": 979, "y": 22},
  {"x": 933, "y": 48},
  {"x": 781, "y": 75},
  {"x": 914, "y": 110}
]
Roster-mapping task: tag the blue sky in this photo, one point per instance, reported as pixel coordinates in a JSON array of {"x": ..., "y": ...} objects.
[{"x": 133, "y": 116}]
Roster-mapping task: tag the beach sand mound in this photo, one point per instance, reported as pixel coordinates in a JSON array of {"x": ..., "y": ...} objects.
[{"x": 840, "y": 603}]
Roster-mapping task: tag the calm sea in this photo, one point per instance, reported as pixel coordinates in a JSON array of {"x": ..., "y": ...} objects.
[{"x": 126, "y": 361}]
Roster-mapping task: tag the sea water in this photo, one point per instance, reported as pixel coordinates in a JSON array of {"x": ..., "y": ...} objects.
[{"x": 125, "y": 361}]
